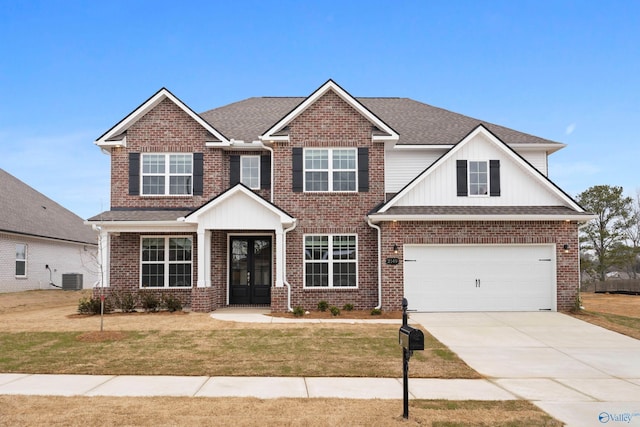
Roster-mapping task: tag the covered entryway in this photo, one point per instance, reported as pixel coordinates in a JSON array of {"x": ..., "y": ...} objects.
[
  {"x": 480, "y": 277},
  {"x": 250, "y": 270}
]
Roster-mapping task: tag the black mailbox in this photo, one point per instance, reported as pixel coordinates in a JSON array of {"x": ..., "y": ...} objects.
[{"x": 411, "y": 338}]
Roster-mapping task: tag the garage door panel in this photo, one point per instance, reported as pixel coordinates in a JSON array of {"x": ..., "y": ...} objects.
[{"x": 479, "y": 278}]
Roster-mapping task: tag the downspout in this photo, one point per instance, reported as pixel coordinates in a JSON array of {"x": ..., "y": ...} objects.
[
  {"x": 372, "y": 225},
  {"x": 284, "y": 263}
]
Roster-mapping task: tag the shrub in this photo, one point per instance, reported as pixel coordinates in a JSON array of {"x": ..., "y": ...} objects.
[
  {"x": 348, "y": 307},
  {"x": 92, "y": 306},
  {"x": 298, "y": 311},
  {"x": 172, "y": 303},
  {"x": 323, "y": 306},
  {"x": 150, "y": 302},
  {"x": 376, "y": 312},
  {"x": 334, "y": 310},
  {"x": 125, "y": 301}
]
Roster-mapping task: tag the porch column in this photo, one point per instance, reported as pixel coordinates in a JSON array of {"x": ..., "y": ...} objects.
[
  {"x": 204, "y": 258},
  {"x": 104, "y": 241},
  {"x": 279, "y": 257}
]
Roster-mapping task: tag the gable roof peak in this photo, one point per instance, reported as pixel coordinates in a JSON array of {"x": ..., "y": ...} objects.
[
  {"x": 387, "y": 133},
  {"x": 116, "y": 136}
]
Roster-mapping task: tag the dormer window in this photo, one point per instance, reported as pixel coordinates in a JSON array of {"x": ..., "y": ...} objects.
[{"x": 167, "y": 174}]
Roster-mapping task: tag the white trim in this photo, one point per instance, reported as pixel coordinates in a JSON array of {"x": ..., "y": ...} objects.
[
  {"x": 505, "y": 149},
  {"x": 228, "y": 265},
  {"x": 333, "y": 86},
  {"x": 25, "y": 260},
  {"x": 330, "y": 169},
  {"x": 151, "y": 103},
  {"x": 422, "y": 217},
  {"x": 166, "y": 262},
  {"x": 330, "y": 261},
  {"x": 254, "y": 156}
]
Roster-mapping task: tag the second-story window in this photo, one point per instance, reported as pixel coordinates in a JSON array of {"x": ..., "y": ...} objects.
[
  {"x": 250, "y": 171},
  {"x": 329, "y": 169},
  {"x": 167, "y": 174}
]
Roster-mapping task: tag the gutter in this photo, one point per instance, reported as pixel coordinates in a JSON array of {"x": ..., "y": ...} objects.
[{"x": 372, "y": 225}]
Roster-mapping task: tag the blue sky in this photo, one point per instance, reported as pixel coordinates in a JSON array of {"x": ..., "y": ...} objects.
[{"x": 568, "y": 71}]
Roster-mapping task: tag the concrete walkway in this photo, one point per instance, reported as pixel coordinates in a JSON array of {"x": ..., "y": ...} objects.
[
  {"x": 260, "y": 387},
  {"x": 579, "y": 373}
]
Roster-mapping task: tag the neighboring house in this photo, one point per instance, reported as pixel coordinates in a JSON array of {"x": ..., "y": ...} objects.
[
  {"x": 285, "y": 202},
  {"x": 40, "y": 240}
]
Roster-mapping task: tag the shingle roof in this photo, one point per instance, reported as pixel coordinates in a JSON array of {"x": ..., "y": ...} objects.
[
  {"x": 416, "y": 122},
  {"x": 24, "y": 210},
  {"x": 140, "y": 215}
]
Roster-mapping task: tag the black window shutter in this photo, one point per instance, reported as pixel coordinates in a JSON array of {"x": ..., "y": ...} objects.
[
  {"x": 234, "y": 170},
  {"x": 297, "y": 160},
  {"x": 198, "y": 173},
  {"x": 494, "y": 178},
  {"x": 134, "y": 174},
  {"x": 265, "y": 172},
  {"x": 363, "y": 169},
  {"x": 461, "y": 176}
]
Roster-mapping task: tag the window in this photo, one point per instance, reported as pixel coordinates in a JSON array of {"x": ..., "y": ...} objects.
[
  {"x": 330, "y": 169},
  {"x": 166, "y": 262},
  {"x": 167, "y": 174},
  {"x": 330, "y": 261},
  {"x": 21, "y": 260},
  {"x": 250, "y": 171},
  {"x": 478, "y": 179}
]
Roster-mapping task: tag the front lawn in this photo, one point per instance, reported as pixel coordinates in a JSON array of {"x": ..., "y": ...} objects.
[{"x": 343, "y": 350}]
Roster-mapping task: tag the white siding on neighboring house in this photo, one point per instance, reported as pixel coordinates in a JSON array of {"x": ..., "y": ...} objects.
[
  {"x": 538, "y": 159},
  {"x": 519, "y": 186},
  {"x": 404, "y": 164},
  {"x": 61, "y": 257}
]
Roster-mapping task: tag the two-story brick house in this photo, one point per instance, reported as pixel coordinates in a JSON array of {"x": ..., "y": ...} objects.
[{"x": 288, "y": 201}]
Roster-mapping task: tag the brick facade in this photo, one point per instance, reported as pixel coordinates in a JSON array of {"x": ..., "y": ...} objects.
[
  {"x": 483, "y": 233},
  {"x": 332, "y": 123}
]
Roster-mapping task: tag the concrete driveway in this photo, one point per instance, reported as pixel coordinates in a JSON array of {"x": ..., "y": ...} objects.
[{"x": 579, "y": 373}]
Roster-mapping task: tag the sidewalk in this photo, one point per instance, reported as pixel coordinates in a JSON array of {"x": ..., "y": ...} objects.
[{"x": 259, "y": 387}]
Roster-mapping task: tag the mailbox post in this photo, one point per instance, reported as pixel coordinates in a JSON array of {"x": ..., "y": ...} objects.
[{"x": 410, "y": 339}]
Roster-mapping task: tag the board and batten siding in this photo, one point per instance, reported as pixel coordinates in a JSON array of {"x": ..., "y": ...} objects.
[
  {"x": 519, "y": 186},
  {"x": 403, "y": 165}
]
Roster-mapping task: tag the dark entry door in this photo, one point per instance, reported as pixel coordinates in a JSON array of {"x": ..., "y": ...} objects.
[{"x": 250, "y": 278}]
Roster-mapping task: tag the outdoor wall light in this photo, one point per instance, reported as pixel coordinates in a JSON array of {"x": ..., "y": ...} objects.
[
  {"x": 395, "y": 248},
  {"x": 566, "y": 248}
]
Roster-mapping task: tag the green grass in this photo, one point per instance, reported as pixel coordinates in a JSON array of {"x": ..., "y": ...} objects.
[{"x": 349, "y": 351}]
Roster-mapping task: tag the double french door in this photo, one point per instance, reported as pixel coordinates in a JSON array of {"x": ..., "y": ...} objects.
[{"x": 250, "y": 270}]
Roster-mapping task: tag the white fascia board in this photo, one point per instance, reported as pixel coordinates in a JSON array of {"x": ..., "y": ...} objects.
[
  {"x": 143, "y": 226},
  {"x": 271, "y": 139},
  {"x": 147, "y": 106},
  {"x": 547, "y": 148},
  {"x": 427, "y": 218},
  {"x": 345, "y": 96}
]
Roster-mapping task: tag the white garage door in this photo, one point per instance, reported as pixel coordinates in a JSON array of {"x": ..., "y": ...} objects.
[{"x": 480, "y": 278}]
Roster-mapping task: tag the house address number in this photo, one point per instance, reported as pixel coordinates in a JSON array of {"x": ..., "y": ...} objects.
[{"x": 393, "y": 261}]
